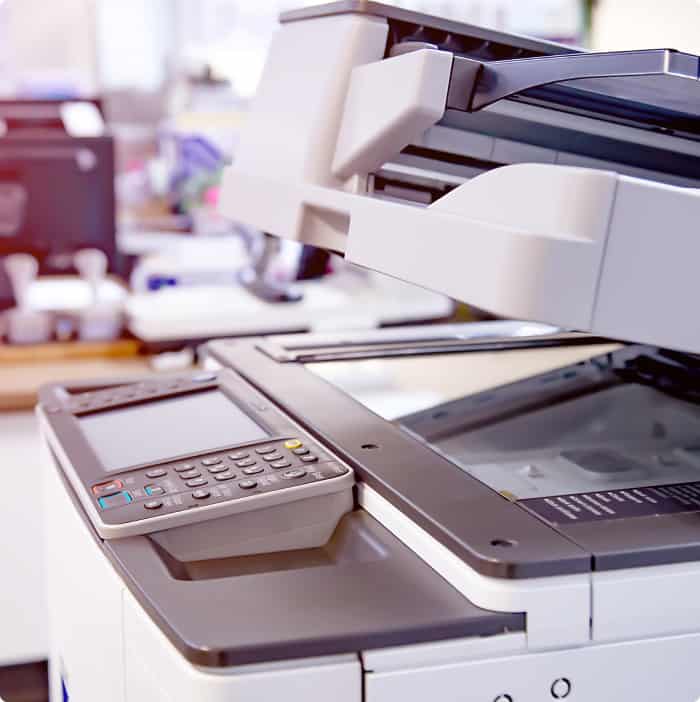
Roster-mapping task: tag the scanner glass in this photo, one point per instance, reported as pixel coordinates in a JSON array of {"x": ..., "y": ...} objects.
[
  {"x": 166, "y": 429},
  {"x": 596, "y": 432}
]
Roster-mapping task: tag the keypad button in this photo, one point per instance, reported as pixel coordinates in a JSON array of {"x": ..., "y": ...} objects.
[
  {"x": 153, "y": 504},
  {"x": 248, "y": 484},
  {"x": 281, "y": 464},
  {"x": 292, "y": 474},
  {"x": 107, "y": 488},
  {"x": 197, "y": 482},
  {"x": 239, "y": 455},
  {"x": 188, "y": 475},
  {"x": 217, "y": 469},
  {"x": 156, "y": 473},
  {"x": 184, "y": 467},
  {"x": 292, "y": 444},
  {"x": 228, "y": 475},
  {"x": 118, "y": 500},
  {"x": 301, "y": 451},
  {"x": 273, "y": 457},
  {"x": 309, "y": 459},
  {"x": 154, "y": 490},
  {"x": 262, "y": 450},
  {"x": 201, "y": 494},
  {"x": 254, "y": 470},
  {"x": 211, "y": 461},
  {"x": 245, "y": 463}
]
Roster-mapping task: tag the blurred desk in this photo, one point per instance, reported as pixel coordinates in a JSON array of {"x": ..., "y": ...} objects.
[{"x": 23, "y": 370}]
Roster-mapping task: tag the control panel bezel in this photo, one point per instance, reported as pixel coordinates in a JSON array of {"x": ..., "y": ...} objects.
[{"x": 119, "y": 502}]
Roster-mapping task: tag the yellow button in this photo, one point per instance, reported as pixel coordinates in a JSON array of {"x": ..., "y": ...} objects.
[{"x": 292, "y": 444}]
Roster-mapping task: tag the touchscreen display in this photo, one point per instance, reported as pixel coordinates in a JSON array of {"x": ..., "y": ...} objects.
[{"x": 165, "y": 429}]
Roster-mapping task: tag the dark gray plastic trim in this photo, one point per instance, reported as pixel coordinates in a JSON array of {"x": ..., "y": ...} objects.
[
  {"x": 344, "y": 607},
  {"x": 348, "y": 606},
  {"x": 459, "y": 511}
]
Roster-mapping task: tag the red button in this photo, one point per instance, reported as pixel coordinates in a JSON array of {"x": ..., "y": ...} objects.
[{"x": 107, "y": 488}]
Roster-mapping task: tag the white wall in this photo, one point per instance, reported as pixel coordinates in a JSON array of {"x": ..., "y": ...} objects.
[
  {"x": 135, "y": 42},
  {"x": 50, "y": 40},
  {"x": 646, "y": 24}
]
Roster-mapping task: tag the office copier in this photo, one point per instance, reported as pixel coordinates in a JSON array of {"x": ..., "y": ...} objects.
[{"x": 503, "y": 511}]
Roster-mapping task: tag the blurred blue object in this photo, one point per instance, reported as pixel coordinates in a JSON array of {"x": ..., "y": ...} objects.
[{"x": 199, "y": 163}]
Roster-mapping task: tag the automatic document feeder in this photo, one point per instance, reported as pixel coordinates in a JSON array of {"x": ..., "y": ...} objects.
[
  {"x": 519, "y": 176},
  {"x": 463, "y": 513}
]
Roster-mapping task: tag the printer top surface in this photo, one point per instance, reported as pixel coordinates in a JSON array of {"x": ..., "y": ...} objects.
[
  {"x": 481, "y": 449},
  {"x": 608, "y": 439}
]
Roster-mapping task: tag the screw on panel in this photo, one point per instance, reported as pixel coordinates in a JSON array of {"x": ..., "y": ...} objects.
[
  {"x": 561, "y": 688},
  {"x": 504, "y": 543}
]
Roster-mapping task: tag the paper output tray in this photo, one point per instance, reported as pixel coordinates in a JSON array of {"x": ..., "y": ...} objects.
[{"x": 661, "y": 80}]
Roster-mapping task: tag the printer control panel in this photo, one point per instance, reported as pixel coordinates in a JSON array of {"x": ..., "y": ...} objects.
[
  {"x": 162, "y": 453},
  {"x": 235, "y": 473}
]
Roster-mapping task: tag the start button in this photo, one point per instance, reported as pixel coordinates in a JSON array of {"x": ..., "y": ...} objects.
[
  {"x": 292, "y": 444},
  {"x": 118, "y": 500}
]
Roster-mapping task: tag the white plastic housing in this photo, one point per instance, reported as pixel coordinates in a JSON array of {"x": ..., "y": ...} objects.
[{"x": 575, "y": 247}]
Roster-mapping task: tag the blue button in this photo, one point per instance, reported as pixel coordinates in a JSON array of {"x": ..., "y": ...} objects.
[
  {"x": 119, "y": 500},
  {"x": 154, "y": 490}
]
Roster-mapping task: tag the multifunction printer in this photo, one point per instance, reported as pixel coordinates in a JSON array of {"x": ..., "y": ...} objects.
[{"x": 504, "y": 511}]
